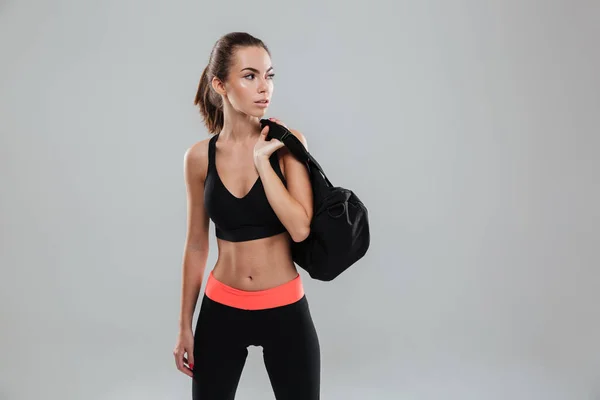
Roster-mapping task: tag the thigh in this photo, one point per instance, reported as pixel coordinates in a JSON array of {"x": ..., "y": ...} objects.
[
  {"x": 219, "y": 352},
  {"x": 292, "y": 353}
]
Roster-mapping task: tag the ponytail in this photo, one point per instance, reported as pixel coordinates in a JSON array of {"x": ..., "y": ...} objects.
[{"x": 210, "y": 104}]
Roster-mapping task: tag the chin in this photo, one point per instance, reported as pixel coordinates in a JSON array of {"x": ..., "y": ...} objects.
[{"x": 259, "y": 113}]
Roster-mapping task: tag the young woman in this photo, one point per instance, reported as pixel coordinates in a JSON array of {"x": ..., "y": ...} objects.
[{"x": 259, "y": 198}]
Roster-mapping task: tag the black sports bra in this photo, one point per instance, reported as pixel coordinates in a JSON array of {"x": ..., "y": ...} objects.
[{"x": 239, "y": 219}]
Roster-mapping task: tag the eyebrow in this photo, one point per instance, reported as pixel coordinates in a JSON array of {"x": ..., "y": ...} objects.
[{"x": 255, "y": 70}]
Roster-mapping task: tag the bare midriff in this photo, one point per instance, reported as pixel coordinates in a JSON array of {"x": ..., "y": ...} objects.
[{"x": 256, "y": 264}]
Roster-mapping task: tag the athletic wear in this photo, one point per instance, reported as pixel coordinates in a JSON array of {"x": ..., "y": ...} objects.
[
  {"x": 281, "y": 295},
  {"x": 230, "y": 320},
  {"x": 284, "y": 330},
  {"x": 239, "y": 219}
]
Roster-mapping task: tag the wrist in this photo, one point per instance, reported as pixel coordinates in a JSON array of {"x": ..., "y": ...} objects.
[
  {"x": 260, "y": 162},
  {"x": 185, "y": 325}
]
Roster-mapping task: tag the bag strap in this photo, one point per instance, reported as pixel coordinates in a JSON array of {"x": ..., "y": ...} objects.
[{"x": 295, "y": 146}]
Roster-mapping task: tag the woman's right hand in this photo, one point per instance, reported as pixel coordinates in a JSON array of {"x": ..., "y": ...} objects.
[{"x": 185, "y": 345}]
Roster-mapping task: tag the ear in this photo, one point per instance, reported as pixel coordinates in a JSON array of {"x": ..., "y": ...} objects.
[{"x": 218, "y": 86}]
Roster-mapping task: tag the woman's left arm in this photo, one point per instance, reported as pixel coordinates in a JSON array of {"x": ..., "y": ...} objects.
[{"x": 292, "y": 205}]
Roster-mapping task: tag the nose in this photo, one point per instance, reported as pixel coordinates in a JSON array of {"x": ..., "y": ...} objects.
[{"x": 263, "y": 86}]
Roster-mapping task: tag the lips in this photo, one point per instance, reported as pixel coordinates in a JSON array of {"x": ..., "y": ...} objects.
[{"x": 262, "y": 102}]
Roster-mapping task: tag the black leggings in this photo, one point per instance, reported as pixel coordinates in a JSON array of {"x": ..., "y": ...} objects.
[{"x": 288, "y": 339}]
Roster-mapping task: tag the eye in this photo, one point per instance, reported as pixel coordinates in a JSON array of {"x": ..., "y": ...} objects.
[{"x": 270, "y": 76}]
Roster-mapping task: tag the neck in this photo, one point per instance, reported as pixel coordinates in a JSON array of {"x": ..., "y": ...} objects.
[{"x": 238, "y": 127}]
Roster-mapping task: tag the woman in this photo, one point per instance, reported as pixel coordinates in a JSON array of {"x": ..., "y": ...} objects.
[{"x": 259, "y": 198}]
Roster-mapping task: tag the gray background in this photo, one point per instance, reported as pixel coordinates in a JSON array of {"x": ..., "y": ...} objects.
[{"x": 469, "y": 128}]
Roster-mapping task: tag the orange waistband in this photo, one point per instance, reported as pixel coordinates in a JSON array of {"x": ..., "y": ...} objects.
[{"x": 281, "y": 295}]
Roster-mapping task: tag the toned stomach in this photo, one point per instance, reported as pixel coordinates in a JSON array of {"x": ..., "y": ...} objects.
[{"x": 256, "y": 264}]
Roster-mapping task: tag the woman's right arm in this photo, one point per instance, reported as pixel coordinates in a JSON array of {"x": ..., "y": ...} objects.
[{"x": 195, "y": 252}]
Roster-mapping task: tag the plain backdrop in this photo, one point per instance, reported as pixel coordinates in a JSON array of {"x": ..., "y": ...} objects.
[{"x": 469, "y": 129}]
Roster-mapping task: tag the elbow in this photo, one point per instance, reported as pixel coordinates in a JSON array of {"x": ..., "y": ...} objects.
[{"x": 301, "y": 233}]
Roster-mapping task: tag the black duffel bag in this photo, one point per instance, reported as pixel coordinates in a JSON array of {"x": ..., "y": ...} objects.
[{"x": 339, "y": 230}]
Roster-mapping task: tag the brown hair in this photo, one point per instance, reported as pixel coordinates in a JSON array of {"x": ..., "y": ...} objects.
[{"x": 221, "y": 58}]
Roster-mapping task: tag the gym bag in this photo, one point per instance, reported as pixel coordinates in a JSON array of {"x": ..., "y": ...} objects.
[{"x": 339, "y": 230}]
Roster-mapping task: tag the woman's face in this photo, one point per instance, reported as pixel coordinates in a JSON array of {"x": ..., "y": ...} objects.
[{"x": 250, "y": 81}]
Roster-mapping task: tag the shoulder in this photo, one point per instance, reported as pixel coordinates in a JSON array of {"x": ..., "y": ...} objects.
[
  {"x": 300, "y": 136},
  {"x": 284, "y": 152},
  {"x": 286, "y": 158},
  {"x": 195, "y": 159},
  {"x": 288, "y": 162}
]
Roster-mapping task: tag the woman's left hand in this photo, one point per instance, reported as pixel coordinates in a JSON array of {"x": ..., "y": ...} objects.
[{"x": 263, "y": 147}]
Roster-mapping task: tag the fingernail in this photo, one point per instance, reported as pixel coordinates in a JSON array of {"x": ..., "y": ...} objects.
[{"x": 191, "y": 366}]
